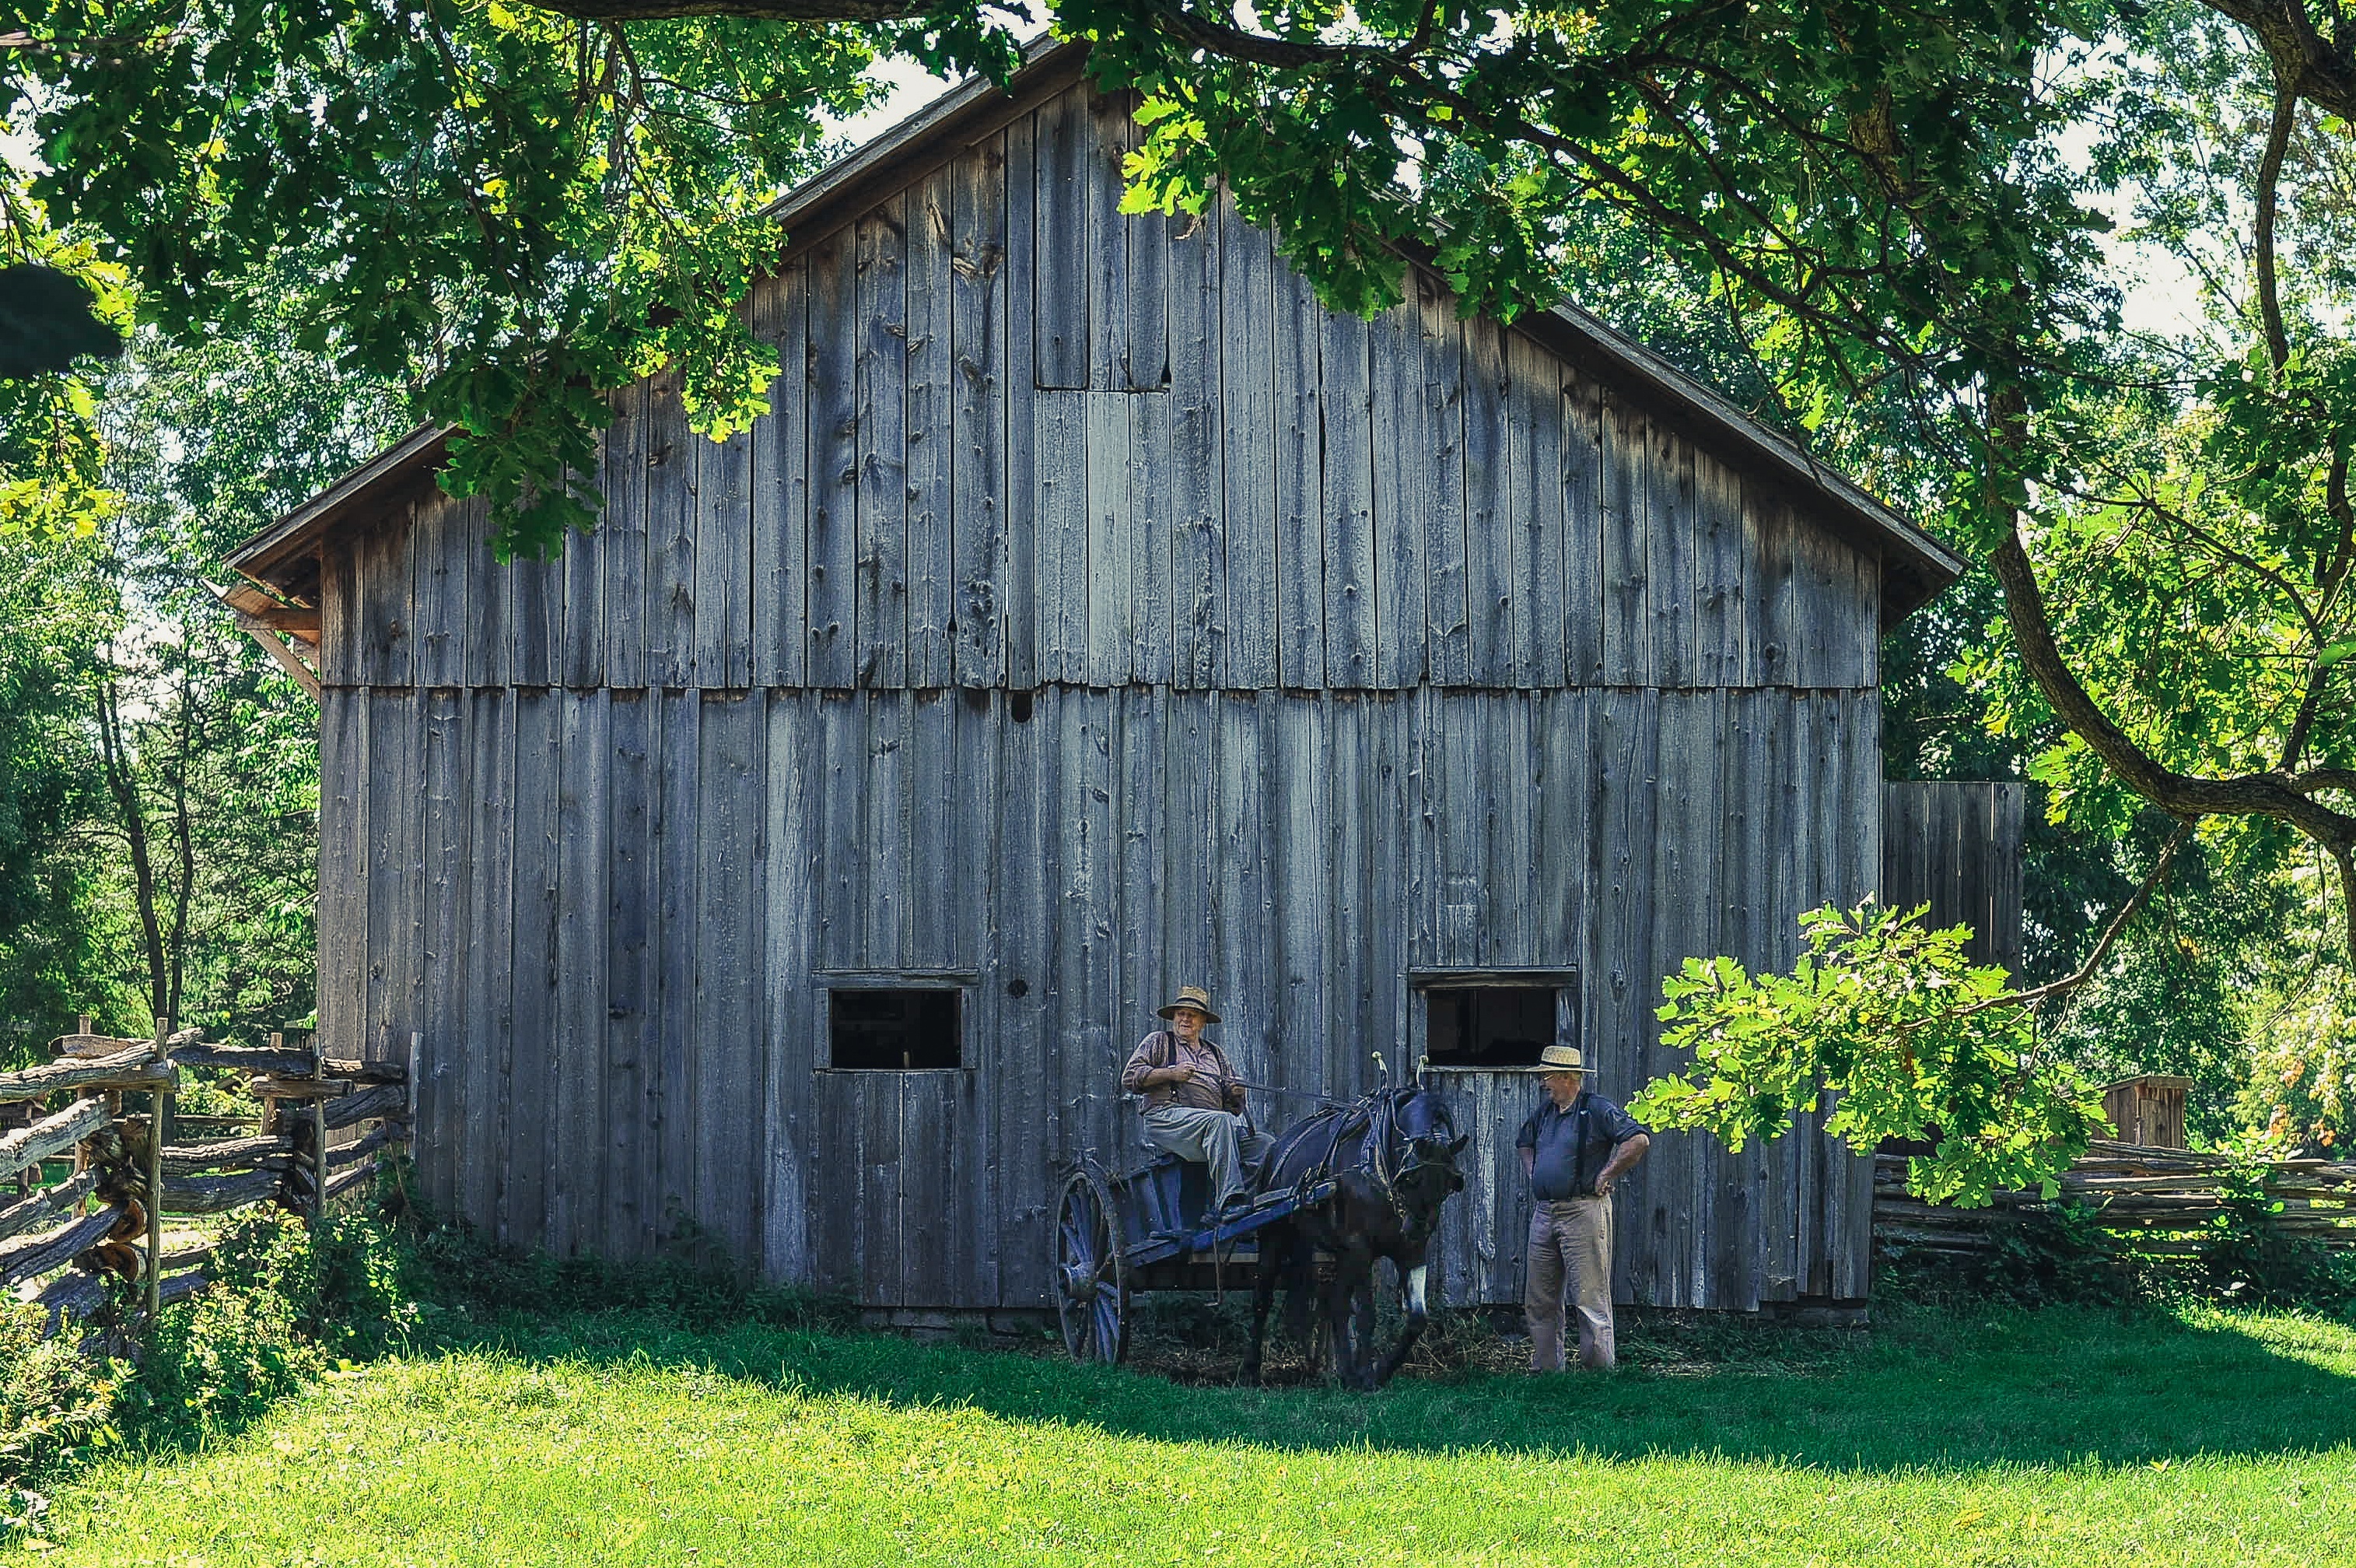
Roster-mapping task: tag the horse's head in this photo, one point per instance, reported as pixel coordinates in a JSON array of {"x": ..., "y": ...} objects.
[{"x": 1427, "y": 1127}]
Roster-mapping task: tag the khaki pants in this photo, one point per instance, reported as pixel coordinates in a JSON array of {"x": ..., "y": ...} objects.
[
  {"x": 1213, "y": 1137},
  {"x": 1570, "y": 1244}
]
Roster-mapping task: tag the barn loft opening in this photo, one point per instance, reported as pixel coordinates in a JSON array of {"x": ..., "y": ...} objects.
[
  {"x": 898, "y": 1029},
  {"x": 1489, "y": 1026}
]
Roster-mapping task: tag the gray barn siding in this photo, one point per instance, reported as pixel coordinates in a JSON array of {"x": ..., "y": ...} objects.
[
  {"x": 1299, "y": 854},
  {"x": 1350, "y": 649},
  {"x": 1271, "y": 497}
]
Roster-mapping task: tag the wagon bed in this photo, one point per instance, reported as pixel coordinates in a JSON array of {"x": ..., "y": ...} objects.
[{"x": 1146, "y": 1231}]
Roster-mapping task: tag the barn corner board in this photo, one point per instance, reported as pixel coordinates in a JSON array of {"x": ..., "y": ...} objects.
[{"x": 790, "y": 866}]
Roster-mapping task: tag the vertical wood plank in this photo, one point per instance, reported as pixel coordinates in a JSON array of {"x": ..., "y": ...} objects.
[
  {"x": 1489, "y": 583},
  {"x": 973, "y": 870},
  {"x": 490, "y": 924},
  {"x": 535, "y": 619},
  {"x": 781, "y": 484},
  {"x": 1240, "y": 966},
  {"x": 726, "y": 1088},
  {"x": 1583, "y": 425},
  {"x": 1767, "y": 568},
  {"x": 487, "y": 643},
  {"x": 440, "y": 1130},
  {"x": 789, "y": 1134},
  {"x": 883, "y": 487},
  {"x": 1627, "y": 497},
  {"x": 576, "y": 1203},
  {"x": 1059, "y": 535},
  {"x": 780, "y": 618},
  {"x": 580, "y": 635},
  {"x": 1300, "y": 557},
  {"x": 670, "y": 1078},
  {"x": 937, "y": 896},
  {"x": 1670, "y": 565},
  {"x": 1721, "y": 609},
  {"x": 622, "y": 536},
  {"x": 1540, "y": 609},
  {"x": 977, "y": 398},
  {"x": 1024, "y": 1075},
  {"x": 1197, "y": 470},
  {"x": 1061, "y": 270},
  {"x": 395, "y": 830},
  {"x": 339, "y": 613},
  {"x": 381, "y": 567},
  {"x": 842, "y": 918},
  {"x": 526, "y": 1149},
  {"x": 439, "y": 537},
  {"x": 1147, "y": 523},
  {"x": 1111, "y": 259},
  {"x": 1346, "y": 407},
  {"x": 1619, "y": 989},
  {"x": 633, "y": 1034},
  {"x": 1112, "y": 554},
  {"x": 1301, "y": 807},
  {"x": 932, "y": 1163},
  {"x": 1146, "y": 850},
  {"x": 837, "y": 1170},
  {"x": 343, "y": 873},
  {"x": 1441, "y": 481},
  {"x": 930, "y": 568},
  {"x": 723, "y": 563},
  {"x": 834, "y": 455},
  {"x": 672, "y": 461},
  {"x": 1018, "y": 379},
  {"x": 883, "y": 871},
  {"x": 1248, "y": 327},
  {"x": 1400, "y": 451},
  {"x": 1512, "y": 761}
]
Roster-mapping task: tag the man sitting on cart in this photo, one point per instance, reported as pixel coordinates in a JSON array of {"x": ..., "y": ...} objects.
[{"x": 1194, "y": 1101}]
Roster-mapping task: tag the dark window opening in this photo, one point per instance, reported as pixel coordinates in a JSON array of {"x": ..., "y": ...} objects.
[
  {"x": 1489, "y": 1026},
  {"x": 893, "y": 1030}
]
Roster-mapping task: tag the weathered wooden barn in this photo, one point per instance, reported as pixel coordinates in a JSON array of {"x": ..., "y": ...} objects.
[{"x": 793, "y": 862}]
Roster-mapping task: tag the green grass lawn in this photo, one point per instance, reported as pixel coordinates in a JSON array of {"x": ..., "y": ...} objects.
[{"x": 2072, "y": 1437}]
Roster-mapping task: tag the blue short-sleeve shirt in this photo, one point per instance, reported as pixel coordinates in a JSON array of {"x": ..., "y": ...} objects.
[{"x": 1573, "y": 1146}]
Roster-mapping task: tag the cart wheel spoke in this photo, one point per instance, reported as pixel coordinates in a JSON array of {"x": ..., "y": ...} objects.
[{"x": 1090, "y": 1281}]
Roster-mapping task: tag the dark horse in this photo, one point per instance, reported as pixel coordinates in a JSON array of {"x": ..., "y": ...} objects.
[{"x": 1392, "y": 1157}]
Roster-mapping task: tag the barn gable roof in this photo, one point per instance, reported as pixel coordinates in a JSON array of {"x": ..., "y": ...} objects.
[{"x": 1916, "y": 567}]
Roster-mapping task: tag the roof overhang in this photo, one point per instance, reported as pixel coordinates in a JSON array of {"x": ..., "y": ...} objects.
[{"x": 1916, "y": 567}]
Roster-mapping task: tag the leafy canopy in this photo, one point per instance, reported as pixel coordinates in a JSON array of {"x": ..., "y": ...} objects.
[{"x": 1906, "y": 1038}]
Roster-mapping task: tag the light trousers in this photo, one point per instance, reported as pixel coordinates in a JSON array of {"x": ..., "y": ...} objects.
[
  {"x": 1569, "y": 1260},
  {"x": 1215, "y": 1137}
]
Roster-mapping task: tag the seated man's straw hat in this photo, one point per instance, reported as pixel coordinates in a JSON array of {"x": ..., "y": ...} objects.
[
  {"x": 1559, "y": 1058},
  {"x": 1193, "y": 996}
]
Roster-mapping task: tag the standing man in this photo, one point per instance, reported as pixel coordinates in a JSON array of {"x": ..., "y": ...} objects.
[
  {"x": 1194, "y": 1104},
  {"x": 1575, "y": 1148}
]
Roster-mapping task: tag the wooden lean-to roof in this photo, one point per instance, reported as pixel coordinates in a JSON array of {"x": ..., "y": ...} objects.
[{"x": 1916, "y": 567}]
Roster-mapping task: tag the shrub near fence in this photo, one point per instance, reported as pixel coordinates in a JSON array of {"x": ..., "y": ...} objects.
[
  {"x": 60, "y": 1242},
  {"x": 2157, "y": 1203}
]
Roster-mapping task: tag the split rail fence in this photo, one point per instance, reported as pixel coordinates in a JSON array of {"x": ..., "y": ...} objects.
[
  {"x": 2161, "y": 1197},
  {"x": 106, "y": 1106}
]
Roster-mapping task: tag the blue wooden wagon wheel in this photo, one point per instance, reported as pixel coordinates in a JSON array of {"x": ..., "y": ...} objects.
[{"x": 1091, "y": 1271}]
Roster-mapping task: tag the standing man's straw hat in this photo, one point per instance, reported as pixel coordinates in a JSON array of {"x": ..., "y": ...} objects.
[
  {"x": 1556, "y": 1058},
  {"x": 1195, "y": 997}
]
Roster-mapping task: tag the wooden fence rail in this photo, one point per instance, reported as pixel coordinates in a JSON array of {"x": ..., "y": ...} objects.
[
  {"x": 59, "y": 1242},
  {"x": 2162, "y": 1197}
]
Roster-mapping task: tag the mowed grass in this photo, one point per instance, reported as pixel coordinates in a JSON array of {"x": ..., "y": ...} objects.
[{"x": 2066, "y": 1437}]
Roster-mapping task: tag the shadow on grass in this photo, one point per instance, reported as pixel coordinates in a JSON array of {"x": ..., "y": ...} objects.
[{"x": 2052, "y": 1387}]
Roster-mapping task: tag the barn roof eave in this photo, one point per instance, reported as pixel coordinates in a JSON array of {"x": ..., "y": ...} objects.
[
  {"x": 1916, "y": 567},
  {"x": 283, "y": 556}
]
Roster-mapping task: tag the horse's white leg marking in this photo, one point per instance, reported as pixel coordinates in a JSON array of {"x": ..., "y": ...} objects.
[{"x": 1415, "y": 1290}]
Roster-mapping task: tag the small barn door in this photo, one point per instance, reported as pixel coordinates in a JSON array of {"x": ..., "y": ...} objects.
[
  {"x": 894, "y": 1223},
  {"x": 1481, "y": 1032}
]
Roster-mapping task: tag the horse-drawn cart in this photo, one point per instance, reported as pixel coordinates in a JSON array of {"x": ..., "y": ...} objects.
[{"x": 1148, "y": 1230}]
